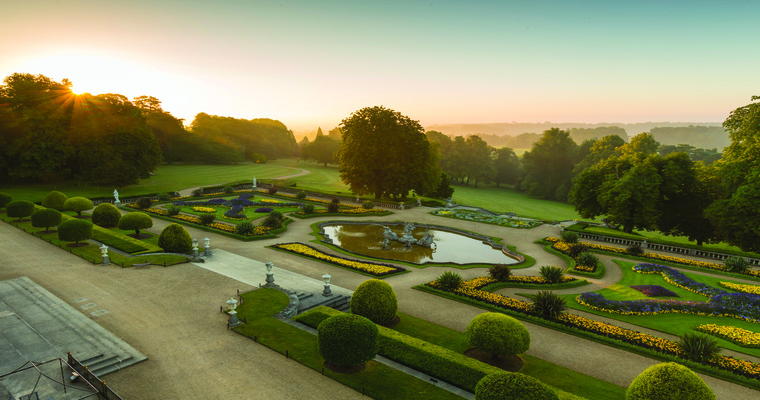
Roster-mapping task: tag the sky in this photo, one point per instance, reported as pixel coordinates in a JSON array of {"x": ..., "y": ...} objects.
[{"x": 312, "y": 63}]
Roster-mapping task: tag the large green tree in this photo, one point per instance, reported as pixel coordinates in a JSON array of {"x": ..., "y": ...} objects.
[
  {"x": 549, "y": 164},
  {"x": 478, "y": 162},
  {"x": 507, "y": 166},
  {"x": 322, "y": 149},
  {"x": 386, "y": 153}
]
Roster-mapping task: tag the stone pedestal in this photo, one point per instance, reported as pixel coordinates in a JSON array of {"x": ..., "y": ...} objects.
[
  {"x": 233, "y": 320},
  {"x": 327, "y": 291},
  {"x": 106, "y": 260},
  {"x": 270, "y": 280}
]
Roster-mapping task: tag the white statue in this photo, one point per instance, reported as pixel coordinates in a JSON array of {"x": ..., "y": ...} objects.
[
  {"x": 116, "y": 195},
  {"x": 254, "y": 182}
]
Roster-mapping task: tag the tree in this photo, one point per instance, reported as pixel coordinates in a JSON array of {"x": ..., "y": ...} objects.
[
  {"x": 348, "y": 339},
  {"x": 322, "y": 150},
  {"x": 165, "y": 127},
  {"x": 549, "y": 164},
  {"x": 736, "y": 218},
  {"x": 513, "y": 386},
  {"x": 75, "y": 230},
  {"x": 507, "y": 167},
  {"x": 444, "y": 189},
  {"x": 135, "y": 221},
  {"x": 631, "y": 201},
  {"x": 45, "y": 218},
  {"x": 78, "y": 204},
  {"x": 5, "y": 198},
  {"x": 668, "y": 381},
  {"x": 106, "y": 215},
  {"x": 498, "y": 334},
  {"x": 375, "y": 300},
  {"x": 479, "y": 164},
  {"x": 601, "y": 150},
  {"x": 386, "y": 153},
  {"x": 19, "y": 209},
  {"x": 55, "y": 200}
]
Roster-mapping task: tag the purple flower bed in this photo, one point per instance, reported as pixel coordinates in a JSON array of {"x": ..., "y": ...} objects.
[
  {"x": 654, "y": 291},
  {"x": 246, "y": 196},
  {"x": 679, "y": 279},
  {"x": 235, "y": 212},
  {"x": 264, "y": 210},
  {"x": 239, "y": 202},
  {"x": 216, "y": 201}
]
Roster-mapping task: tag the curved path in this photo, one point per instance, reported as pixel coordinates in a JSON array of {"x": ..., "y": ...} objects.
[
  {"x": 189, "y": 191},
  {"x": 171, "y": 314}
]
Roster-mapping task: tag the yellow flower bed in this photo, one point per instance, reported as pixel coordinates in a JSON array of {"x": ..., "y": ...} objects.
[
  {"x": 269, "y": 201},
  {"x": 376, "y": 269},
  {"x": 754, "y": 289},
  {"x": 738, "y": 335},
  {"x": 204, "y": 209}
]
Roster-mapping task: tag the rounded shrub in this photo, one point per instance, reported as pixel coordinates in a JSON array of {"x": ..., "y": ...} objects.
[
  {"x": 375, "y": 300},
  {"x": 19, "y": 209},
  {"x": 500, "y": 272},
  {"x": 175, "y": 239},
  {"x": 301, "y": 195},
  {"x": 144, "y": 203},
  {"x": 106, "y": 215},
  {"x": 348, "y": 339},
  {"x": 272, "y": 190},
  {"x": 164, "y": 196},
  {"x": 569, "y": 237},
  {"x": 308, "y": 209},
  {"x": 135, "y": 221},
  {"x": 78, "y": 204},
  {"x": 197, "y": 193},
  {"x": 498, "y": 334},
  {"x": 551, "y": 273},
  {"x": 5, "y": 198},
  {"x": 668, "y": 381},
  {"x": 228, "y": 189},
  {"x": 513, "y": 386},
  {"x": 547, "y": 304},
  {"x": 55, "y": 200},
  {"x": 634, "y": 249},
  {"x": 274, "y": 220},
  {"x": 449, "y": 280},
  {"x": 368, "y": 204},
  {"x": 75, "y": 230},
  {"x": 45, "y": 218}
]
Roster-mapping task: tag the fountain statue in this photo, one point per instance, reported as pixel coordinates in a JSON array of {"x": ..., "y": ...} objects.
[{"x": 407, "y": 239}]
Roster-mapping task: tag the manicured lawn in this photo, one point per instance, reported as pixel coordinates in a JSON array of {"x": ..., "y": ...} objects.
[
  {"x": 673, "y": 323},
  {"x": 321, "y": 178}
]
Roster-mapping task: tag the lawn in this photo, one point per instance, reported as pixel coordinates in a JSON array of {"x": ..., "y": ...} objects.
[{"x": 672, "y": 323}]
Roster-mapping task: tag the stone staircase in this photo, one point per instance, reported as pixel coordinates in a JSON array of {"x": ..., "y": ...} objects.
[
  {"x": 49, "y": 328},
  {"x": 307, "y": 301}
]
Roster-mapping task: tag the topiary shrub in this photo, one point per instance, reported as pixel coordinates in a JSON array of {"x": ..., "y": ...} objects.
[
  {"x": 19, "y": 209},
  {"x": 698, "y": 346},
  {"x": 551, "y": 273},
  {"x": 55, "y": 200},
  {"x": 273, "y": 220},
  {"x": 135, "y": 221},
  {"x": 736, "y": 264},
  {"x": 449, "y": 280},
  {"x": 78, "y": 204},
  {"x": 308, "y": 209},
  {"x": 75, "y": 230},
  {"x": 498, "y": 334},
  {"x": 301, "y": 195},
  {"x": 245, "y": 228},
  {"x": 569, "y": 237},
  {"x": 207, "y": 219},
  {"x": 106, "y": 215},
  {"x": 144, "y": 203},
  {"x": 368, "y": 204},
  {"x": 668, "y": 381},
  {"x": 175, "y": 239},
  {"x": 333, "y": 206},
  {"x": 348, "y": 339},
  {"x": 548, "y": 305},
  {"x": 45, "y": 218},
  {"x": 500, "y": 272},
  {"x": 512, "y": 386},
  {"x": 375, "y": 300},
  {"x": 5, "y": 198}
]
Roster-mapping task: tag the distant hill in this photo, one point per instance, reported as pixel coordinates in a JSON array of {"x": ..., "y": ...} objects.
[{"x": 706, "y": 135}]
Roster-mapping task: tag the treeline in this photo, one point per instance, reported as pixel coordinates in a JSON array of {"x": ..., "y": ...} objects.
[{"x": 48, "y": 133}]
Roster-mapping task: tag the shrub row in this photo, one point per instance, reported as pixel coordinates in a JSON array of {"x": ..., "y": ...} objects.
[{"x": 438, "y": 362}]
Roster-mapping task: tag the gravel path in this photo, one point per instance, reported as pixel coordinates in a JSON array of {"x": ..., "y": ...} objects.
[{"x": 171, "y": 315}]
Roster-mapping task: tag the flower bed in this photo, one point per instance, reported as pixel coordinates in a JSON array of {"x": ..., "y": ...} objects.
[
  {"x": 470, "y": 290},
  {"x": 654, "y": 291},
  {"x": 754, "y": 289},
  {"x": 559, "y": 245},
  {"x": 470, "y": 215},
  {"x": 204, "y": 209},
  {"x": 258, "y": 231},
  {"x": 739, "y": 336},
  {"x": 369, "y": 267}
]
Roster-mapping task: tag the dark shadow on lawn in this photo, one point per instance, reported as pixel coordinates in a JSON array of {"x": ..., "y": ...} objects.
[{"x": 507, "y": 363}]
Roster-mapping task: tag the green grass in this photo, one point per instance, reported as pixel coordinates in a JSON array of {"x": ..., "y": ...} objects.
[
  {"x": 510, "y": 200},
  {"x": 377, "y": 380},
  {"x": 321, "y": 179},
  {"x": 672, "y": 323},
  {"x": 549, "y": 373}
]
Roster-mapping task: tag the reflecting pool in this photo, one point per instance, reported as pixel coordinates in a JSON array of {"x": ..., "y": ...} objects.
[{"x": 449, "y": 246}]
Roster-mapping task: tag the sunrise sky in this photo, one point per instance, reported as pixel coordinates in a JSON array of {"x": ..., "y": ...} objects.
[{"x": 312, "y": 63}]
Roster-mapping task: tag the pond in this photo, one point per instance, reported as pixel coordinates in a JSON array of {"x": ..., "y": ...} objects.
[{"x": 449, "y": 245}]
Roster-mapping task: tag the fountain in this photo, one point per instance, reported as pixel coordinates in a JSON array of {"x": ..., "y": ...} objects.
[{"x": 415, "y": 244}]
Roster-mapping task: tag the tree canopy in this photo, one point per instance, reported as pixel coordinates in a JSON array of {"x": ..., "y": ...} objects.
[
  {"x": 549, "y": 164},
  {"x": 322, "y": 149},
  {"x": 386, "y": 153}
]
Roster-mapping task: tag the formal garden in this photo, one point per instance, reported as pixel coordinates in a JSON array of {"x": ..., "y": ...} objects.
[{"x": 703, "y": 311}]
